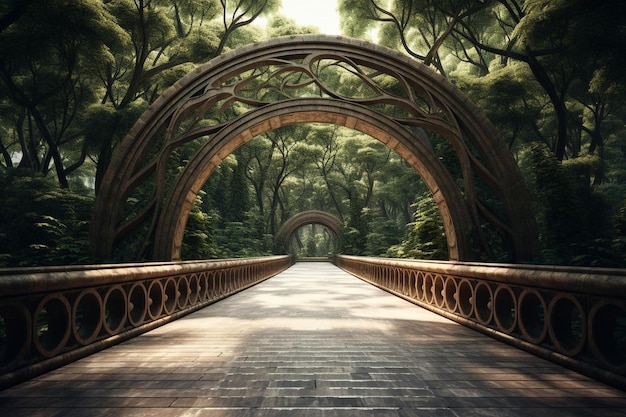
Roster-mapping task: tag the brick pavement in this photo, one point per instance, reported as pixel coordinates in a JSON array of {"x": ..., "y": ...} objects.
[{"x": 312, "y": 341}]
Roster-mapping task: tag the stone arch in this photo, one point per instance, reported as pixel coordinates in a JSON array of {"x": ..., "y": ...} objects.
[
  {"x": 291, "y": 226},
  {"x": 261, "y": 87}
]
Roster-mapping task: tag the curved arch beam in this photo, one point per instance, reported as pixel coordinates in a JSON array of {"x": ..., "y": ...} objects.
[
  {"x": 136, "y": 196},
  {"x": 450, "y": 201},
  {"x": 294, "y": 223}
]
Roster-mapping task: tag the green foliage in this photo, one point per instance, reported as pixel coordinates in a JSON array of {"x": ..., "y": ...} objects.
[
  {"x": 200, "y": 230},
  {"x": 41, "y": 224},
  {"x": 238, "y": 194},
  {"x": 239, "y": 240},
  {"x": 383, "y": 234},
  {"x": 574, "y": 219},
  {"x": 282, "y": 26},
  {"x": 425, "y": 237},
  {"x": 313, "y": 240},
  {"x": 356, "y": 228},
  {"x": 311, "y": 167},
  {"x": 76, "y": 75},
  {"x": 48, "y": 65},
  {"x": 222, "y": 223}
]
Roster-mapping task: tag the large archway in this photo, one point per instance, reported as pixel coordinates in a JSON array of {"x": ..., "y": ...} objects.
[
  {"x": 145, "y": 198},
  {"x": 291, "y": 226}
]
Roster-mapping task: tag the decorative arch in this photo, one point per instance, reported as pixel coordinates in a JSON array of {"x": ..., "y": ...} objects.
[
  {"x": 294, "y": 223},
  {"x": 145, "y": 198}
]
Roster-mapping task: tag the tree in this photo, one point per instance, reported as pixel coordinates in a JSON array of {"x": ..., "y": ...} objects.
[
  {"x": 41, "y": 224},
  {"x": 11, "y": 11},
  {"x": 575, "y": 220},
  {"x": 282, "y": 26},
  {"x": 199, "y": 241},
  {"x": 326, "y": 141},
  {"x": 238, "y": 193},
  {"x": 222, "y": 223},
  {"x": 420, "y": 27},
  {"x": 356, "y": 227},
  {"x": 239, "y": 13},
  {"x": 166, "y": 40},
  {"x": 47, "y": 58},
  {"x": 561, "y": 42},
  {"x": 425, "y": 237}
]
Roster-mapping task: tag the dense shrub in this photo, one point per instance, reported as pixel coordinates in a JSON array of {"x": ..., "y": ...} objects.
[{"x": 40, "y": 223}]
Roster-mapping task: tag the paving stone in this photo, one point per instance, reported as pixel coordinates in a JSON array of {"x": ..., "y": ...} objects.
[{"x": 312, "y": 341}]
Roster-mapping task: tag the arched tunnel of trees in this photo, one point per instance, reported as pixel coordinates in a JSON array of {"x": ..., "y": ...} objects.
[
  {"x": 311, "y": 233},
  {"x": 313, "y": 241},
  {"x": 373, "y": 192},
  {"x": 136, "y": 131},
  {"x": 224, "y": 104}
]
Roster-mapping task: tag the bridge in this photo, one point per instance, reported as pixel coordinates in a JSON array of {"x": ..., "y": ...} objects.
[
  {"x": 355, "y": 336},
  {"x": 265, "y": 336}
]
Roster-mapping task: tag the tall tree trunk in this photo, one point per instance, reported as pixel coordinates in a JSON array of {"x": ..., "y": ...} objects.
[
  {"x": 53, "y": 148},
  {"x": 558, "y": 102}
]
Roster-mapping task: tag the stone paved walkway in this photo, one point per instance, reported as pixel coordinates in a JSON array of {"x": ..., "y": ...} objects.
[{"x": 312, "y": 341}]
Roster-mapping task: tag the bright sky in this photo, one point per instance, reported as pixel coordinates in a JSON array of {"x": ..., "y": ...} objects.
[{"x": 320, "y": 13}]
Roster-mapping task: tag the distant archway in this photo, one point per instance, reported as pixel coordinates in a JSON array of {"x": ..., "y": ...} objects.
[
  {"x": 294, "y": 223},
  {"x": 145, "y": 198}
]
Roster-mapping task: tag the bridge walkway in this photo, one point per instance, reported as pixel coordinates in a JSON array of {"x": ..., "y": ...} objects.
[{"x": 312, "y": 341}]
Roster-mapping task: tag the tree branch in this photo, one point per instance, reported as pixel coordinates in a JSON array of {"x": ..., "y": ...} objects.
[{"x": 20, "y": 9}]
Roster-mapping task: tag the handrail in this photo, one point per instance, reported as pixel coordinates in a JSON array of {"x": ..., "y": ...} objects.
[
  {"x": 52, "y": 316},
  {"x": 573, "y": 316}
]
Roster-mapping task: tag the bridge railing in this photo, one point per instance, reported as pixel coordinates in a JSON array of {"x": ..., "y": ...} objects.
[
  {"x": 573, "y": 316},
  {"x": 52, "y": 316}
]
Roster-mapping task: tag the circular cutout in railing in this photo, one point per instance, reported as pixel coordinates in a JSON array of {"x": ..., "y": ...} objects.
[
  {"x": 393, "y": 277},
  {"x": 203, "y": 283},
  {"x": 419, "y": 286},
  {"x": 483, "y": 303},
  {"x": 87, "y": 316},
  {"x": 182, "y": 292},
  {"x": 465, "y": 298},
  {"x": 227, "y": 279},
  {"x": 194, "y": 289},
  {"x": 220, "y": 283},
  {"x": 567, "y": 324},
  {"x": 532, "y": 316},
  {"x": 404, "y": 282},
  {"x": 450, "y": 292},
  {"x": 115, "y": 309},
  {"x": 607, "y": 325},
  {"x": 398, "y": 281},
  {"x": 505, "y": 308},
  {"x": 411, "y": 284},
  {"x": 212, "y": 285},
  {"x": 156, "y": 297},
  {"x": 379, "y": 275},
  {"x": 428, "y": 288},
  {"x": 137, "y": 304},
  {"x": 383, "y": 275},
  {"x": 52, "y": 325},
  {"x": 438, "y": 295},
  {"x": 171, "y": 295}
]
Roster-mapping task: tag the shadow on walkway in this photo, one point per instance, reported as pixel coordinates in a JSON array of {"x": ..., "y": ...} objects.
[{"x": 312, "y": 341}]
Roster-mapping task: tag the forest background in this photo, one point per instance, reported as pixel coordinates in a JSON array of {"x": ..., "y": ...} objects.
[{"x": 76, "y": 74}]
